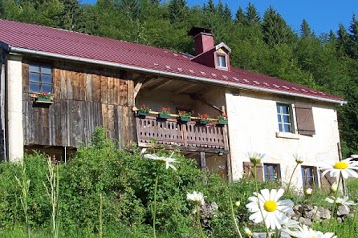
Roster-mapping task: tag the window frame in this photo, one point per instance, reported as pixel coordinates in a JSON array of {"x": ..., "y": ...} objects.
[
  {"x": 276, "y": 168},
  {"x": 218, "y": 61},
  {"x": 306, "y": 181},
  {"x": 290, "y": 115},
  {"x": 44, "y": 70}
]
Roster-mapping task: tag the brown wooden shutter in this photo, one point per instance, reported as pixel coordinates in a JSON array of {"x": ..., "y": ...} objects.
[
  {"x": 249, "y": 171},
  {"x": 304, "y": 119},
  {"x": 326, "y": 180}
]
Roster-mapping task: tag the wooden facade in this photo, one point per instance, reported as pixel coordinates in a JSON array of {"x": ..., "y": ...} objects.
[{"x": 84, "y": 97}]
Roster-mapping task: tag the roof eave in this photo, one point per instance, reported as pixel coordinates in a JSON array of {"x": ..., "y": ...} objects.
[{"x": 168, "y": 74}]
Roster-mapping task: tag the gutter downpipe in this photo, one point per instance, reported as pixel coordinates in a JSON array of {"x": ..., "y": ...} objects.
[{"x": 168, "y": 74}]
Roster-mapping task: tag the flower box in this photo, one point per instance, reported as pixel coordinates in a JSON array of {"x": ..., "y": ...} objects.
[
  {"x": 204, "y": 122},
  {"x": 140, "y": 113},
  {"x": 223, "y": 122},
  {"x": 163, "y": 115},
  {"x": 184, "y": 119},
  {"x": 44, "y": 100}
]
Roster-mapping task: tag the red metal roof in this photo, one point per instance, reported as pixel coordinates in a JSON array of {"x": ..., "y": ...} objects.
[{"x": 78, "y": 45}]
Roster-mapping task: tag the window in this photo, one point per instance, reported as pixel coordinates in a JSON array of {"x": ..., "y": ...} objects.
[
  {"x": 284, "y": 116},
  {"x": 40, "y": 78},
  {"x": 221, "y": 61},
  {"x": 309, "y": 176},
  {"x": 272, "y": 172},
  {"x": 249, "y": 171}
]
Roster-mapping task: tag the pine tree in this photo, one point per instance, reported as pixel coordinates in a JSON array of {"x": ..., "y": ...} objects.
[
  {"x": 252, "y": 15},
  {"x": 177, "y": 11},
  {"x": 274, "y": 28},
  {"x": 305, "y": 29},
  {"x": 240, "y": 17}
]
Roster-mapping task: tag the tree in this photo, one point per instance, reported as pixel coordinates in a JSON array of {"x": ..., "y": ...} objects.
[
  {"x": 274, "y": 28},
  {"x": 352, "y": 48},
  {"x": 342, "y": 40},
  {"x": 240, "y": 17},
  {"x": 252, "y": 15},
  {"x": 305, "y": 29},
  {"x": 177, "y": 11}
]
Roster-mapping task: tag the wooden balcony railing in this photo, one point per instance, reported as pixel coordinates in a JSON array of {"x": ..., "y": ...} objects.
[{"x": 173, "y": 133}]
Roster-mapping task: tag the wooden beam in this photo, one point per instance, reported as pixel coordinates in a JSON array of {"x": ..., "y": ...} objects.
[
  {"x": 197, "y": 97},
  {"x": 202, "y": 160},
  {"x": 186, "y": 149},
  {"x": 160, "y": 84},
  {"x": 227, "y": 147},
  {"x": 137, "y": 87},
  {"x": 184, "y": 88}
]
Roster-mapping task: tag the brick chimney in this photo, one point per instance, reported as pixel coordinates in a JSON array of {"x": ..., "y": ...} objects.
[
  {"x": 206, "y": 53},
  {"x": 203, "y": 39}
]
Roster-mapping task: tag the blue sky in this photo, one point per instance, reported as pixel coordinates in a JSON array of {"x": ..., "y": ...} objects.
[{"x": 321, "y": 15}]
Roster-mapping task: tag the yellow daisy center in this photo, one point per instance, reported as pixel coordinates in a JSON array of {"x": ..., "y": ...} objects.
[
  {"x": 313, "y": 236},
  {"x": 270, "y": 206},
  {"x": 341, "y": 165}
]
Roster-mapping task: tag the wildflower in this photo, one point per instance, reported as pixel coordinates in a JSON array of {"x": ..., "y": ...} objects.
[
  {"x": 266, "y": 206},
  {"x": 341, "y": 201},
  {"x": 248, "y": 232},
  {"x": 305, "y": 231},
  {"x": 344, "y": 167},
  {"x": 290, "y": 227},
  {"x": 308, "y": 192},
  {"x": 298, "y": 159},
  {"x": 333, "y": 187},
  {"x": 197, "y": 198},
  {"x": 237, "y": 203},
  {"x": 255, "y": 158},
  {"x": 168, "y": 160}
]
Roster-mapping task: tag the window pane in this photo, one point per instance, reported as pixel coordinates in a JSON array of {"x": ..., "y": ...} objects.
[
  {"x": 46, "y": 88},
  {"x": 46, "y": 69},
  {"x": 34, "y": 87},
  {"x": 46, "y": 78},
  {"x": 286, "y": 119},
  {"x": 287, "y": 128},
  {"x": 278, "y": 108},
  {"x": 34, "y": 68},
  {"x": 221, "y": 61},
  {"x": 280, "y": 127},
  {"x": 34, "y": 77},
  {"x": 279, "y": 118},
  {"x": 285, "y": 110}
]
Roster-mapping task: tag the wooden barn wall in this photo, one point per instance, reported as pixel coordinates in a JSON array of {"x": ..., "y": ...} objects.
[{"x": 83, "y": 98}]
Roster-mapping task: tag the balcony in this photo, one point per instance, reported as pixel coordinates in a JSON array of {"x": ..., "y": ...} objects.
[{"x": 190, "y": 136}]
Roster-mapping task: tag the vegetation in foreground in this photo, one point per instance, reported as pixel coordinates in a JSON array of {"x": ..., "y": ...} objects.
[{"x": 106, "y": 192}]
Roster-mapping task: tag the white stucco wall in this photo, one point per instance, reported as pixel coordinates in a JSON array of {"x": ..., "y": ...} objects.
[
  {"x": 253, "y": 125},
  {"x": 15, "y": 133}
]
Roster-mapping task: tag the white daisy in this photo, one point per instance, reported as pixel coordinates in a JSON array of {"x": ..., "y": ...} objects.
[
  {"x": 266, "y": 206},
  {"x": 298, "y": 159},
  {"x": 290, "y": 226},
  {"x": 306, "y": 232},
  {"x": 197, "y": 198},
  {"x": 168, "y": 160},
  {"x": 341, "y": 202},
  {"x": 255, "y": 158},
  {"x": 345, "y": 167}
]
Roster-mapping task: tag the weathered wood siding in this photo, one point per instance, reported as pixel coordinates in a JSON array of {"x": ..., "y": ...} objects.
[{"x": 83, "y": 98}]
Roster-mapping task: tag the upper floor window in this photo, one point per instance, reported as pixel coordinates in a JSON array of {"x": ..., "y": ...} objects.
[
  {"x": 309, "y": 176},
  {"x": 221, "y": 61},
  {"x": 284, "y": 116},
  {"x": 272, "y": 172},
  {"x": 40, "y": 78}
]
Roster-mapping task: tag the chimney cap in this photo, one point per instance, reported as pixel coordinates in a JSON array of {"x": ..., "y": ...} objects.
[{"x": 196, "y": 30}]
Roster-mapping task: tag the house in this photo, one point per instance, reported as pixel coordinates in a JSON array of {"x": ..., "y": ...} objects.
[{"x": 95, "y": 81}]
